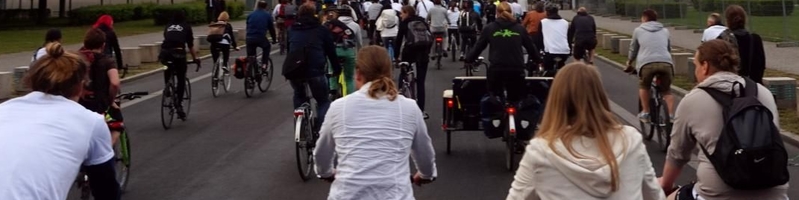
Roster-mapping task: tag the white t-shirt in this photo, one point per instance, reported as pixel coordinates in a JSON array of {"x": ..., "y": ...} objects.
[
  {"x": 424, "y": 7},
  {"x": 453, "y": 18},
  {"x": 396, "y": 6},
  {"x": 39, "y": 54},
  {"x": 516, "y": 8},
  {"x": 44, "y": 139}
]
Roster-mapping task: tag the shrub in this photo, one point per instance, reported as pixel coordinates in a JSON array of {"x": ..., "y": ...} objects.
[
  {"x": 120, "y": 12},
  {"x": 235, "y": 9},
  {"x": 16, "y": 15},
  {"x": 665, "y": 10},
  {"x": 195, "y": 12},
  {"x": 753, "y": 7}
]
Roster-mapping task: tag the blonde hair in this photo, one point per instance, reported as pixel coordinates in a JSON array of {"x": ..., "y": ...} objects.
[
  {"x": 223, "y": 16},
  {"x": 374, "y": 65},
  {"x": 58, "y": 73},
  {"x": 504, "y": 12},
  {"x": 578, "y": 106}
]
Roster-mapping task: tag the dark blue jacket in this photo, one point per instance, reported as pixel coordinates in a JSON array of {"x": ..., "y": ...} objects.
[
  {"x": 322, "y": 49},
  {"x": 258, "y": 22}
]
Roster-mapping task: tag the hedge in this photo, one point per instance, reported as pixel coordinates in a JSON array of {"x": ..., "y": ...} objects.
[
  {"x": 12, "y": 15},
  {"x": 120, "y": 12},
  {"x": 665, "y": 10},
  {"x": 195, "y": 11},
  {"x": 753, "y": 7}
]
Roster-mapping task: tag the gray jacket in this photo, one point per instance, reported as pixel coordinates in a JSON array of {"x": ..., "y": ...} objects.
[
  {"x": 650, "y": 45},
  {"x": 438, "y": 19}
]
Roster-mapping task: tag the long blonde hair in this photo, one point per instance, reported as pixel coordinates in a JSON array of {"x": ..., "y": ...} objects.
[
  {"x": 374, "y": 65},
  {"x": 504, "y": 11},
  {"x": 578, "y": 106}
]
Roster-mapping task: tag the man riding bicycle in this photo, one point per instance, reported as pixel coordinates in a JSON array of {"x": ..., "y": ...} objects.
[
  {"x": 652, "y": 50},
  {"x": 258, "y": 22},
  {"x": 468, "y": 25},
  {"x": 285, "y": 14},
  {"x": 347, "y": 38},
  {"x": 582, "y": 33},
  {"x": 104, "y": 83},
  {"x": 439, "y": 22},
  {"x": 178, "y": 39}
]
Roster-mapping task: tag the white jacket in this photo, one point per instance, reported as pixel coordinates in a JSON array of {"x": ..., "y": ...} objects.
[
  {"x": 388, "y": 23},
  {"x": 543, "y": 174},
  {"x": 712, "y": 32}
]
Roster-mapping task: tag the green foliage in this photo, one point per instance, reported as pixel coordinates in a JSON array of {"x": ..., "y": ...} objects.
[
  {"x": 195, "y": 12},
  {"x": 753, "y": 7},
  {"x": 235, "y": 9},
  {"x": 12, "y": 15},
  {"x": 665, "y": 10},
  {"x": 120, "y": 12}
]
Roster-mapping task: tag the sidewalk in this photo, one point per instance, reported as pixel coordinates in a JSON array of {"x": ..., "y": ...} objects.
[
  {"x": 9, "y": 61},
  {"x": 780, "y": 59}
]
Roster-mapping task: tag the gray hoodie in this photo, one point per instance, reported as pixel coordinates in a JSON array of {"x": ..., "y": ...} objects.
[
  {"x": 650, "y": 45},
  {"x": 355, "y": 28},
  {"x": 699, "y": 116}
]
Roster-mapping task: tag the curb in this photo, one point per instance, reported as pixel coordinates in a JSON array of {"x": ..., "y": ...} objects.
[
  {"x": 160, "y": 69},
  {"x": 787, "y": 137}
]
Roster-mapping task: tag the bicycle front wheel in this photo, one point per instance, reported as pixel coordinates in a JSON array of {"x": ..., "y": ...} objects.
[
  {"x": 187, "y": 99},
  {"x": 122, "y": 165},
  {"x": 303, "y": 145},
  {"x": 265, "y": 81},
  {"x": 663, "y": 125},
  {"x": 216, "y": 78},
  {"x": 167, "y": 107}
]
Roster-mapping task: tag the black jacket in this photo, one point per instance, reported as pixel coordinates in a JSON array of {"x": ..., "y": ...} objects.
[
  {"x": 582, "y": 28},
  {"x": 322, "y": 49},
  {"x": 508, "y": 38},
  {"x": 473, "y": 17},
  {"x": 403, "y": 30},
  {"x": 752, "y": 54},
  {"x": 231, "y": 36},
  {"x": 112, "y": 44}
]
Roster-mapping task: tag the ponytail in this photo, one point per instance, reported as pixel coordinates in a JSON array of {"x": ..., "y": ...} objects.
[
  {"x": 374, "y": 66},
  {"x": 383, "y": 85},
  {"x": 504, "y": 12}
]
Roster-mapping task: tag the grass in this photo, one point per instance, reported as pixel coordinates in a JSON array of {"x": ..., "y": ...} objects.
[
  {"x": 29, "y": 39},
  {"x": 771, "y": 28}
]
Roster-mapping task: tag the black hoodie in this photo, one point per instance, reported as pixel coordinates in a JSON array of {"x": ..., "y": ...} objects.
[
  {"x": 508, "y": 37},
  {"x": 322, "y": 49},
  {"x": 582, "y": 28}
]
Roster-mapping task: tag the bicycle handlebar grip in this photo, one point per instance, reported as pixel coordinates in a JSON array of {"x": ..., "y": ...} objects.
[{"x": 140, "y": 93}]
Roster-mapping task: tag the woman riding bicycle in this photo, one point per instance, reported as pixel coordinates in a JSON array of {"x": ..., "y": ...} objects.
[
  {"x": 452, "y": 31},
  {"x": 418, "y": 54},
  {"x": 228, "y": 41},
  {"x": 506, "y": 71}
]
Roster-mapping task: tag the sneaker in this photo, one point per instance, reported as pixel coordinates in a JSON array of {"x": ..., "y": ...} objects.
[
  {"x": 644, "y": 117},
  {"x": 181, "y": 114},
  {"x": 225, "y": 69}
]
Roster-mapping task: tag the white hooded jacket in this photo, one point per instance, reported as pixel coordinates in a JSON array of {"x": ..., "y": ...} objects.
[
  {"x": 543, "y": 174},
  {"x": 388, "y": 23}
]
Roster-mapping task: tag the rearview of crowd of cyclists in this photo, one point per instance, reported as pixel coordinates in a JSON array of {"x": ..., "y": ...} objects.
[{"x": 581, "y": 150}]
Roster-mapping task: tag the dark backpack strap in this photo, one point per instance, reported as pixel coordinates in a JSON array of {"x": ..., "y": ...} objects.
[
  {"x": 721, "y": 97},
  {"x": 750, "y": 89}
]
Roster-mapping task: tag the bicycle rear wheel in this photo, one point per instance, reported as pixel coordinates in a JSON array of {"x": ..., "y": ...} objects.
[
  {"x": 304, "y": 150},
  {"x": 167, "y": 107},
  {"x": 663, "y": 125},
  {"x": 511, "y": 153},
  {"x": 216, "y": 78},
  {"x": 265, "y": 81},
  {"x": 187, "y": 99},
  {"x": 453, "y": 49},
  {"x": 249, "y": 82},
  {"x": 122, "y": 153}
]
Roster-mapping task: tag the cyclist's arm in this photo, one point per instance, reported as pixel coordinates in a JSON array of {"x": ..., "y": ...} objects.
[
  {"x": 633, "y": 48},
  {"x": 113, "y": 77},
  {"x": 229, "y": 31},
  {"x": 650, "y": 188},
  {"x": 115, "y": 45},
  {"x": 270, "y": 25},
  {"x": 523, "y": 186},
  {"x": 479, "y": 46},
  {"x": 532, "y": 50},
  {"x": 325, "y": 151},
  {"x": 478, "y": 20},
  {"x": 422, "y": 151},
  {"x": 275, "y": 12},
  {"x": 570, "y": 32},
  {"x": 683, "y": 140},
  {"x": 403, "y": 28},
  {"x": 100, "y": 163},
  {"x": 330, "y": 49},
  {"x": 190, "y": 40},
  {"x": 379, "y": 24}
]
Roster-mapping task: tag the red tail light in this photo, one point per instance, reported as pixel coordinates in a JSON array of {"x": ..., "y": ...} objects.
[
  {"x": 512, "y": 111},
  {"x": 438, "y": 39},
  {"x": 450, "y": 103},
  {"x": 298, "y": 113}
]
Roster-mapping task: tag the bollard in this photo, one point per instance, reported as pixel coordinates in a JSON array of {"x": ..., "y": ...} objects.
[
  {"x": 132, "y": 56},
  {"x": 204, "y": 44},
  {"x": 606, "y": 40},
  {"x": 784, "y": 91},
  {"x": 149, "y": 53},
  {"x": 19, "y": 74},
  {"x": 614, "y": 43},
  {"x": 680, "y": 61},
  {"x": 6, "y": 85},
  {"x": 624, "y": 46}
]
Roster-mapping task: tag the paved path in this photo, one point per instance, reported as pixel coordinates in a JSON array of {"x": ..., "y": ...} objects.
[
  {"x": 782, "y": 59},
  {"x": 9, "y": 61}
]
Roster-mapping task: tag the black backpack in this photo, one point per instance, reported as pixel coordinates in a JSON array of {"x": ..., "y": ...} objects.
[
  {"x": 749, "y": 154},
  {"x": 418, "y": 35},
  {"x": 467, "y": 23},
  {"x": 296, "y": 64}
]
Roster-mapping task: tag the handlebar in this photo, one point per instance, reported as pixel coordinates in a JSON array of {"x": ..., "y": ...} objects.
[{"x": 131, "y": 95}]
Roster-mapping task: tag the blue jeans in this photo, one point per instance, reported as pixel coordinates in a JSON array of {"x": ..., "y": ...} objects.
[{"x": 319, "y": 91}]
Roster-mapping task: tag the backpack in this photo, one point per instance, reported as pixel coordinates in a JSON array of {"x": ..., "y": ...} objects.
[
  {"x": 296, "y": 64},
  {"x": 466, "y": 23},
  {"x": 729, "y": 36},
  {"x": 418, "y": 35},
  {"x": 216, "y": 31},
  {"x": 749, "y": 154},
  {"x": 342, "y": 34}
]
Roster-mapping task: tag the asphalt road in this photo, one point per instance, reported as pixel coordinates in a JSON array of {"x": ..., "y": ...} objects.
[{"x": 234, "y": 147}]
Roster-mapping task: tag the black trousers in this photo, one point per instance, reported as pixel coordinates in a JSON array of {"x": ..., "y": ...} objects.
[
  {"x": 550, "y": 63},
  {"x": 512, "y": 81},
  {"x": 179, "y": 68},
  {"x": 209, "y": 14},
  {"x": 419, "y": 56},
  {"x": 223, "y": 49},
  {"x": 469, "y": 40},
  {"x": 371, "y": 31}
]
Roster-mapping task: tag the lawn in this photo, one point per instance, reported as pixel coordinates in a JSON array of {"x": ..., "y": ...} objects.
[
  {"x": 29, "y": 39},
  {"x": 770, "y": 28}
]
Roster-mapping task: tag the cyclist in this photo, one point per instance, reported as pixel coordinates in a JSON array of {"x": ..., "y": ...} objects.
[
  {"x": 258, "y": 22},
  {"x": 104, "y": 81},
  {"x": 45, "y": 136},
  {"x": 507, "y": 38},
  {"x": 388, "y": 26},
  {"x": 373, "y": 11},
  {"x": 106, "y": 24},
  {"x": 285, "y": 13},
  {"x": 469, "y": 23},
  {"x": 452, "y": 30},
  {"x": 582, "y": 33},
  {"x": 301, "y": 37},
  {"x": 413, "y": 53},
  {"x": 347, "y": 38},
  {"x": 377, "y": 167},
  {"x": 554, "y": 32},
  {"x": 178, "y": 40},
  {"x": 715, "y": 27},
  {"x": 490, "y": 12},
  {"x": 517, "y": 9},
  {"x": 53, "y": 35},
  {"x": 228, "y": 39},
  {"x": 651, "y": 52},
  {"x": 532, "y": 20},
  {"x": 438, "y": 20}
]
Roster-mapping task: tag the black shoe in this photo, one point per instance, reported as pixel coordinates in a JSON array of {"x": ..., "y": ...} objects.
[
  {"x": 445, "y": 54},
  {"x": 461, "y": 59},
  {"x": 426, "y": 116},
  {"x": 181, "y": 114}
]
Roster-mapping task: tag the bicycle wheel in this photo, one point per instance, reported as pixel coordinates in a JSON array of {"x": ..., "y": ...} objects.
[
  {"x": 511, "y": 154},
  {"x": 122, "y": 165},
  {"x": 216, "y": 77},
  {"x": 167, "y": 106},
  {"x": 226, "y": 79},
  {"x": 265, "y": 81},
  {"x": 249, "y": 85},
  {"x": 453, "y": 50},
  {"x": 304, "y": 158},
  {"x": 663, "y": 126},
  {"x": 187, "y": 99}
]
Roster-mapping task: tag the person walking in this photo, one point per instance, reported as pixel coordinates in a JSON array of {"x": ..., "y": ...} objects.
[{"x": 749, "y": 45}]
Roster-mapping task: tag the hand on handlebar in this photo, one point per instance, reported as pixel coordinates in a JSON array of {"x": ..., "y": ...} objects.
[{"x": 419, "y": 181}]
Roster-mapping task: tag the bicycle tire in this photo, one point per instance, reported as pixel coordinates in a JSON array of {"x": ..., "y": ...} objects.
[
  {"x": 453, "y": 49},
  {"x": 216, "y": 78},
  {"x": 304, "y": 166},
  {"x": 167, "y": 107},
  {"x": 664, "y": 126},
  {"x": 226, "y": 80},
  {"x": 123, "y": 156},
  {"x": 266, "y": 76},
  {"x": 249, "y": 87},
  {"x": 187, "y": 99},
  {"x": 511, "y": 153},
  {"x": 412, "y": 93}
]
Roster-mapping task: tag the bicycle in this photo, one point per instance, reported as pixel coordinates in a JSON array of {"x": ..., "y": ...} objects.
[
  {"x": 304, "y": 136},
  {"x": 439, "y": 49},
  {"x": 220, "y": 75},
  {"x": 407, "y": 80},
  {"x": 339, "y": 92},
  {"x": 453, "y": 47},
  {"x": 659, "y": 119},
  {"x": 121, "y": 155},
  {"x": 257, "y": 77},
  {"x": 475, "y": 67},
  {"x": 543, "y": 72},
  {"x": 168, "y": 100},
  {"x": 509, "y": 133},
  {"x": 123, "y": 71}
]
